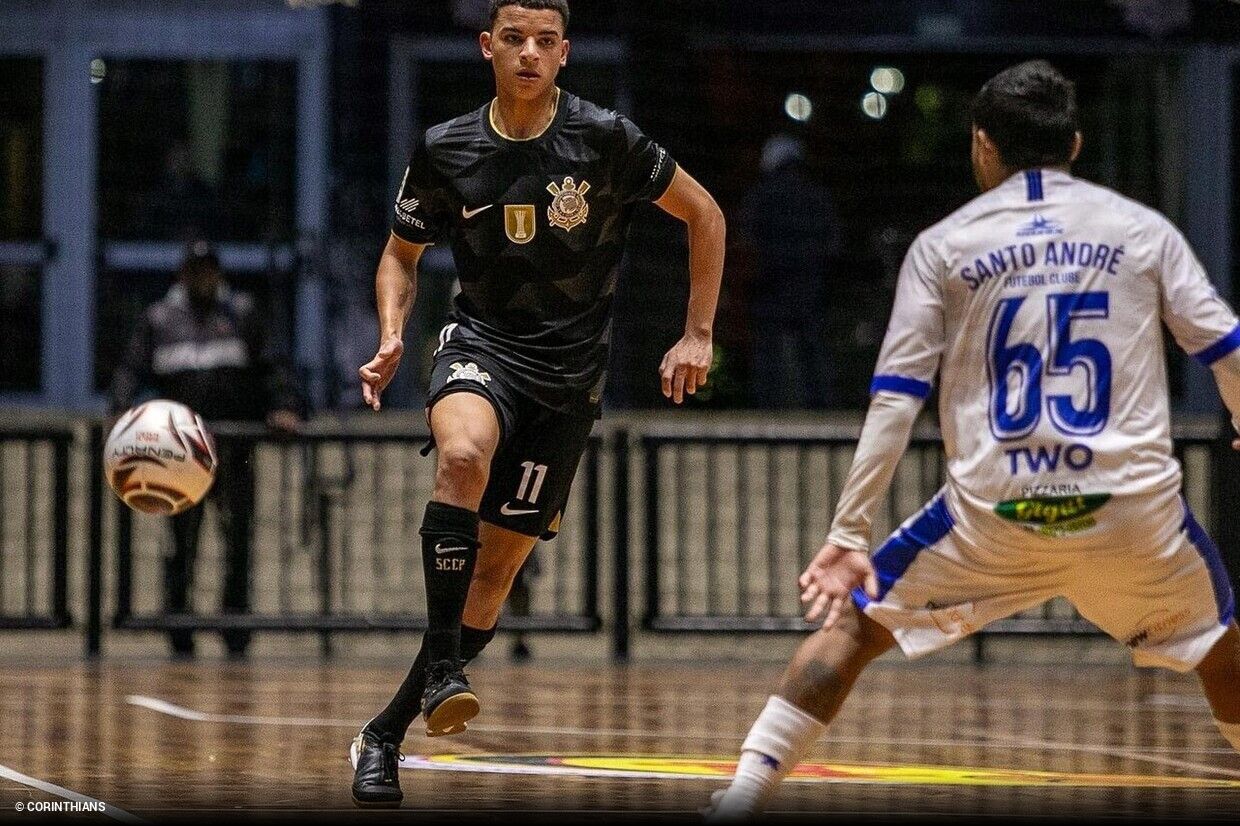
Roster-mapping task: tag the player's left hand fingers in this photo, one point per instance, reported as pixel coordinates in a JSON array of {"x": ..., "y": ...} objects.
[
  {"x": 815, "y": 610},
  {"x": 809, "y": 591},
  {"x": 691, "y": 380},
  {"x": 871, "y": 584},
  {"x": 678, "y": 385},
  {"x": 833, "y": 615}
]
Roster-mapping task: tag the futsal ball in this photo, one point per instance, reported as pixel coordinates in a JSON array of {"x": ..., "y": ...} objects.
[{"x": 160, "y": 458}]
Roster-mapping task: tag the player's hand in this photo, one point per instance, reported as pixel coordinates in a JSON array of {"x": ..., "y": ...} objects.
[
  {"x": 830, "y": 578},
  {"x": 377, "y": 372},
  {"x": 1235, "y": 444},
  {"x": 685, "y": 367}
]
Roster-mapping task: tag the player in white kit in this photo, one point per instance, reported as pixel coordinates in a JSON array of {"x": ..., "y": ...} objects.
[{"x": 1038, "y": 306}]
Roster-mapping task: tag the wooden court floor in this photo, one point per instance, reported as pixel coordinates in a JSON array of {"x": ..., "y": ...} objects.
[{"x": 556, "y": 741}]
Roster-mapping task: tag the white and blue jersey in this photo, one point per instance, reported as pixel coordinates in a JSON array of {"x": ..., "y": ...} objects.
[{"x": 1039, "y": 308}]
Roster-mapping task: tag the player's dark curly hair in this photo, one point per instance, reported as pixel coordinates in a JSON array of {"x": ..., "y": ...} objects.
[
  {"x": 554, "y": 5},
  {"x": 1029, "y": 111}
]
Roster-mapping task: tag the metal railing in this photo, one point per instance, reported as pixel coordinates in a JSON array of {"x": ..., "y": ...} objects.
[
  {"x": 34, "y": 527},
  {"x": 335, "y": 544},
  {"x": 731, "y": 521},
  {"x": 719, "y": 524}
]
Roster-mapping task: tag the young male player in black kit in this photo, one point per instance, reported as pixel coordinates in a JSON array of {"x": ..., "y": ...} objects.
[{"x": 534, "y": 192}]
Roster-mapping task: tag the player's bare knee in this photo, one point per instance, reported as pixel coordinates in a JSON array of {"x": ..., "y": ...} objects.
[{"x": 462, "y": 465}]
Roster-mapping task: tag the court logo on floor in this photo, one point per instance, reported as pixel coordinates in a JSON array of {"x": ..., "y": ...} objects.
[{"x": 714, "y": 768}]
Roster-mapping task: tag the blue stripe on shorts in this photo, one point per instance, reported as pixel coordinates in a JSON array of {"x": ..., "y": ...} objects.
[
  {"x": 901, "y": 548},
  {"x": 1223, "y": 596}
]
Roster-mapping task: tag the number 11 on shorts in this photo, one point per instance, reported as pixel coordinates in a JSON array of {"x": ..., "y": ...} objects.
[{"x": 534, "y": 472}]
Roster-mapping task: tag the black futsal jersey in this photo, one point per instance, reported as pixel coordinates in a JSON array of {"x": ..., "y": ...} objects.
[{"x": 537, "y": 228}]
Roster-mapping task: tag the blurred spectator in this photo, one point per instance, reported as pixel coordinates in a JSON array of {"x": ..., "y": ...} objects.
[
  {"x": 789, "y": 219},
  {"x": 205, "y": 346},
  {"x": 183, "y": 205}
]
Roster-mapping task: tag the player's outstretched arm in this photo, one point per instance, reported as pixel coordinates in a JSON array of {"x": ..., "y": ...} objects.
[
  {"x": 396, "y": 286},
  {"x": 686, "y": 366},
  {"x": 842, "y": 564}
]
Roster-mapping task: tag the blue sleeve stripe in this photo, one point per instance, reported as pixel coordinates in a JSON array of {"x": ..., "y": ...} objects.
[
  {"x": 900, "y": 384},
  {"x": 1223, "y": 347}
]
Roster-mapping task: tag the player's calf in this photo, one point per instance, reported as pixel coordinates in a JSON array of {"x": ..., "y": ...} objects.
[{"x": 1219, "y": 673}]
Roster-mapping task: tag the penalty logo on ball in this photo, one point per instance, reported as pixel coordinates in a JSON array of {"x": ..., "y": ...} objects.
[{"x": 159, "y": 458}]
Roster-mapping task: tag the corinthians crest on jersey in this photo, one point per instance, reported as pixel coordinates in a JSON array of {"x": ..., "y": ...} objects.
[{"x": 568, "y": 206}]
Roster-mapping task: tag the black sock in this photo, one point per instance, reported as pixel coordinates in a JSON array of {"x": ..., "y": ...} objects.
[
  {"x": 393, "y": 722},
  {"x": 473, "y": 640},
  {"x": 449, "y": 551}
]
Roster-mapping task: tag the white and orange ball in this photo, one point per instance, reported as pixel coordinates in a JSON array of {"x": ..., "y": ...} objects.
[{"x": 160, "y": 458}]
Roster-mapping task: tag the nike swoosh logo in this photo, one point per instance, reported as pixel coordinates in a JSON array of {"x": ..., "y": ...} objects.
[
  {"x": 509, "y": 511},
  {"x": 439, "y": 549},
  {"x": 470, "y": 213}
]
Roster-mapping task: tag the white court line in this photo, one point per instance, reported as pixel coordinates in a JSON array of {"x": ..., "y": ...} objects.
[
  {"x": 1110, "y": 751},
  {"x": 164, "y": 707},
  {"x": 51, "y": 788},
  {"x": 172, "y": 710}
]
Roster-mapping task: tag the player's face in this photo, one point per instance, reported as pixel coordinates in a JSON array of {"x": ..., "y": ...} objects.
[{"x": 526, "y": 47}]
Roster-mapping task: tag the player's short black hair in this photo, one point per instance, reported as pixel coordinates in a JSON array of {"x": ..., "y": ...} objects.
[
  {"x": 1029, "y": 111},
  {"x": 554, "y": 5}
]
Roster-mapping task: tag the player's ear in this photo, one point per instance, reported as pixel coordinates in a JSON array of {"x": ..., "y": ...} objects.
[
  {"x": 563, "y": 53},
  {"x": 985, "y": 146},
  {"x": 980, "y": 137},
  {"x": 1077, "y": 142},
  {"x": 484, "y": 43}
]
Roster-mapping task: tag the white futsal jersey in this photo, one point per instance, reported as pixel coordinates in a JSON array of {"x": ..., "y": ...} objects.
[{"x": 1040, "y": 304}]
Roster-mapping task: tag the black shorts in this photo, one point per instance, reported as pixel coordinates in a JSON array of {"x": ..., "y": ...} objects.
[{"x": 539, "y": 448}]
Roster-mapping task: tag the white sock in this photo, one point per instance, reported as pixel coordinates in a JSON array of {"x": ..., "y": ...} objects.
[
  {"x": 778, "y": 738},
  {"x": 1231, "y": 731}
]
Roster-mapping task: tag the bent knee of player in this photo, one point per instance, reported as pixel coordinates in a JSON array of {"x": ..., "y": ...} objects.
[{"x": 462, "y": 465}]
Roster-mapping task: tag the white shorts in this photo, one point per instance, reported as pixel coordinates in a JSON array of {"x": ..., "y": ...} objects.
[{"x": 1169, "y": 601}]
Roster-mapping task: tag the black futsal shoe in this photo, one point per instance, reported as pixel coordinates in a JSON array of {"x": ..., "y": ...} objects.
[
  {"x": 447, "y": 703},
  {"x": 376, "y": 781}
]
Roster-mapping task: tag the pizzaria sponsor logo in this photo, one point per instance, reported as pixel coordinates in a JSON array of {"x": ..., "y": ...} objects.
[{"x": 1054, "y": 515}]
